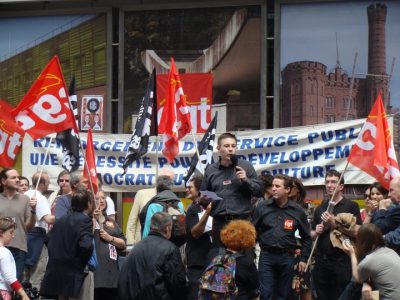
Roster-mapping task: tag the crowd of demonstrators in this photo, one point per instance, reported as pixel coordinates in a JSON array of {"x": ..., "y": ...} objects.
[
  {"x": 8, "y": 276},
  {"x": 154, "y": 268},
  {"x": 84, "y": 243},
  {"x": 198, "y": 228},
  {"x": 235, "y": 181},
  {"x": 109, "y": 242},
  {"x": 142, "y": 197}
]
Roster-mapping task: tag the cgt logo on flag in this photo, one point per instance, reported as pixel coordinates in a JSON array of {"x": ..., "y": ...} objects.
[
  {"x": 373, "y": 151},
  {"x": 45, "y": 109},
  {"x": 10, "y": 143}
]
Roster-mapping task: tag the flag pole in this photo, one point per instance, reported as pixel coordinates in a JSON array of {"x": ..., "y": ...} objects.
[
  {"x": 42, "y": 167},
  {"x": 156, "y": 155},
  {"x": 329, "y": 209}
]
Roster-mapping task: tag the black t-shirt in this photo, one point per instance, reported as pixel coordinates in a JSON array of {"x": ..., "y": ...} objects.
[
  {"x": 324, "y": 242},
  {"x": 196, "y": 249}
]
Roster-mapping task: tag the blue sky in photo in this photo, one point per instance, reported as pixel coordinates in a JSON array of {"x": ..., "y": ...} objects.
[
  {"x": 308, "y": 33},
  {"x": 24, "y": 31}
]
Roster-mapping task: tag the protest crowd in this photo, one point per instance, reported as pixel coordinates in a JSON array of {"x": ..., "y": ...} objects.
[
  {"x": 70, "y": 246},
  {"x": 243, "y": 236}
]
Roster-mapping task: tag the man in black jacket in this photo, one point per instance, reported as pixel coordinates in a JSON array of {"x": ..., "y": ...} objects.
[
  {"x": 70, "y": 248},
  {"x": 235, "y": 181},
  {"x": 154, "y": 268}
]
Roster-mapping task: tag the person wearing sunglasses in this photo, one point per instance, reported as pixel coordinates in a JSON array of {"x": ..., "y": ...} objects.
[{"x": 65, "y": 188}]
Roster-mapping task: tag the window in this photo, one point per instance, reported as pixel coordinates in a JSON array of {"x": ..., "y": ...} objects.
[
  {"x": 330, "y": 102},
  {"x": 330, "y": 118},
  {"x": 347, "y": 103}
]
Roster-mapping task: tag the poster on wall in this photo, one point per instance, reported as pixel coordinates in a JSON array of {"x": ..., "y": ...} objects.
[
  {"x": 198, "y": 94},
  {"x": 92, "y": 113},
  {"x": 335, "y": 57}
]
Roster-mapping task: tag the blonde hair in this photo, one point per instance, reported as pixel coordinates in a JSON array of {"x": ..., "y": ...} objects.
[{"x": 7, "y": 223}]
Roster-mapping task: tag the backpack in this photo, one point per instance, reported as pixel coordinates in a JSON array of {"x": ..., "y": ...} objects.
[
  {"x": 178, "y": 235},
  {"x": 218, "y": 279}
]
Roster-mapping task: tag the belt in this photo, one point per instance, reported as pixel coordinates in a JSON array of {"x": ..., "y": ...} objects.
[
  {"x": 232, "y": 217},
  {"x": 276, "y": 250}
]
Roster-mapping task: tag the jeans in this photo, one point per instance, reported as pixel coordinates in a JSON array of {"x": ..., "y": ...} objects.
[
  {"x": 276, "y": 275},
  {"x": 19, "y": 257},
  {"x": 35, "y": 238}
]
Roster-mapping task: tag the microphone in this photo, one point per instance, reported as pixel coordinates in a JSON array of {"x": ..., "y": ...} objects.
[{"x": 234, "y": 160}]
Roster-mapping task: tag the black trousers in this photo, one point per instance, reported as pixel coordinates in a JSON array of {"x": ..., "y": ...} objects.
[
  {"x": 331, "y": 276},
  {"x": 193, "y": 274}
]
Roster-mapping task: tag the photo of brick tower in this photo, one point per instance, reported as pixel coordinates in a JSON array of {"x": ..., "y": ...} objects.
[{"x": 310, "y": 94}]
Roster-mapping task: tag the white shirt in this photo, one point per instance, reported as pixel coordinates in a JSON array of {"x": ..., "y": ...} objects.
[
  {"x": 8, "y": 271},
  {"x": 110, "y": 206},
  {"x": 42, "y": 208}
]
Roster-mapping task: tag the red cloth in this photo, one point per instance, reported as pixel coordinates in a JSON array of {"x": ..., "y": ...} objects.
[
  {"x": 373, "y": 151},
  {"x": 91, "y": 163},
  {"x": 45, "y": 108},
  {"x": 175, "y": 119}
]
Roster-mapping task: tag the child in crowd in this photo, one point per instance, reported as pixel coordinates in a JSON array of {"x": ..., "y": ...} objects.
[{"x": 8, "y": 273}]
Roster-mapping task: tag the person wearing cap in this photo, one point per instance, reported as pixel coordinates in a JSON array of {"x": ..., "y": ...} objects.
[
  {"x": 235, "y": 181},
  {"x": 276, "y": 221},
  {"x": 332, "y": 270}
]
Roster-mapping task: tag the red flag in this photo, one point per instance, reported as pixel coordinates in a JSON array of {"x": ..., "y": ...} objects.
[
  {"x": 373, "y": 151},
  {"x": 175, "y": 119},
  {"x": 11, "y": 136},
  {"x": 91, "y": 162},
  {"x": 45, "y": 108}
]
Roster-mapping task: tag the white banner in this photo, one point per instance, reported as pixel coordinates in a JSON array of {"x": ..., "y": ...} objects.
[{"x": 306, "y": 152}]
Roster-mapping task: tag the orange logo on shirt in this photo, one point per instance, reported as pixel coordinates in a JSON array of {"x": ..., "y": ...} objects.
[{"x": 288, "y": 225}]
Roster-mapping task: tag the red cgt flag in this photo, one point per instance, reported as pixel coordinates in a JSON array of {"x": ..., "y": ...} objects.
[
  {"x": 11, "y": 136},
  {"x": 175, "y": 119},
  {"x": 91, "y": 163},
  {"x": 45, "y": 108},
  {"x": 373, "y": 151}
]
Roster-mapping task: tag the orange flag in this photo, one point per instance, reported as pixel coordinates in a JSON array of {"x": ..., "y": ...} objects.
[
  {"x": 91, "y": 162},
  {"x": 175, "y": 119},
  {"x": 373, "y": 151},
  {"x": 45, "y": 108}
]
